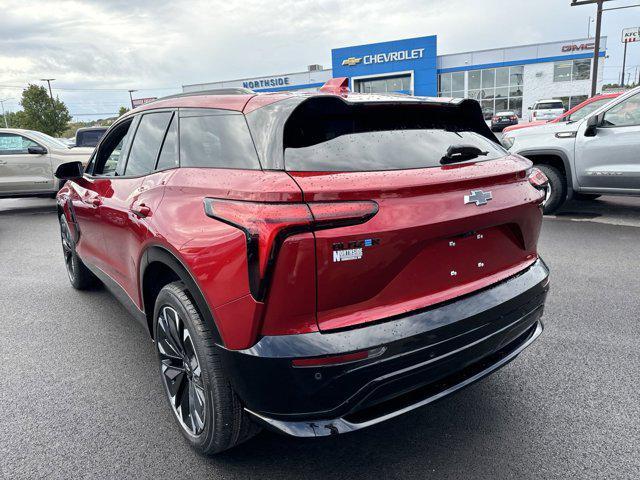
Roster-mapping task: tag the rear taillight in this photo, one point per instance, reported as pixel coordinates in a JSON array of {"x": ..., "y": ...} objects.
[
  {"x": 267, "y": 225},
  {"x": 514, "y": 118},
  {"x": 537, "y": 178}
]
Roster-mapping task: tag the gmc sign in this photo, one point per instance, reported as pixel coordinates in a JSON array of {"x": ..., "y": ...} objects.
[{"x": 573, "y": 47}]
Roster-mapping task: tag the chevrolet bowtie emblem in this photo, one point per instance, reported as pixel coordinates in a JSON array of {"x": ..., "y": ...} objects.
[
  {"x": 478, "y": 197},
  {"x": 351, "y": 61}
]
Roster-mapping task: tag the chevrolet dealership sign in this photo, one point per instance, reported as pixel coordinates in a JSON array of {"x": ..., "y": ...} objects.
[{"x": 398, "y": 56}]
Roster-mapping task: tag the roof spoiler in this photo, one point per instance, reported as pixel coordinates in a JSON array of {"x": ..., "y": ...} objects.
[{"x": 337, "y": 86}]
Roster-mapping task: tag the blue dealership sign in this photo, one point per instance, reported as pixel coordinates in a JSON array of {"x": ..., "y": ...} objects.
[{"x": 415, "y": 55}]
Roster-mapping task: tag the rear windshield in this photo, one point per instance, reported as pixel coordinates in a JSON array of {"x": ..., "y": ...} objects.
[
  {"x": 385, "y": 150},
  {"x": 550, "y": 105},
  {"x": 89, "y": 138}
]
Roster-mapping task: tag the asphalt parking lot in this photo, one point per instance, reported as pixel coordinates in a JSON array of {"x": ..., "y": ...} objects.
[{"x": 81, "y": 397}]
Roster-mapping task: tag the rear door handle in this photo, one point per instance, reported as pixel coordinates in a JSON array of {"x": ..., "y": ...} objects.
[{"x": 141, "y": 210}]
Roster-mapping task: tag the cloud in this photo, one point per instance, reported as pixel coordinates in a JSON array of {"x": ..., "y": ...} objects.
[{"x": 157, "y": 46}]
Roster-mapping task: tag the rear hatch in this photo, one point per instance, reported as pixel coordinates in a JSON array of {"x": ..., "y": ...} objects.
[{"x": 440, "y": 230}]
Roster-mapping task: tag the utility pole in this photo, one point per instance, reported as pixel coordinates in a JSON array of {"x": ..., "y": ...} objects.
[
  {"x": 624, "y": 64},
  {"x": 131, "y": 96},
  {"x": 589, "y": 22},
  {"x": 3, "y": 115},
  {"x": 596, "y": 50}
]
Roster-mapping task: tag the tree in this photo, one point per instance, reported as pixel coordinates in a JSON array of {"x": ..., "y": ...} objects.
[
  {"x": 14, "y": 119},
  {"x": 43, "y": 113},
  {"x": 122, "y": 111}
]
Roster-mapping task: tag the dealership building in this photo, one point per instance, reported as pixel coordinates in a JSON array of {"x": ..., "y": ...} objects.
[{"x": 501, "y": 79}]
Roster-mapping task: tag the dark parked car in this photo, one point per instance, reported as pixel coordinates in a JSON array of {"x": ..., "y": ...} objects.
[
  {"x": 315, "y": 264},
  {"x": 89, "y": 136},
  {"x": 503, "y": 119}
]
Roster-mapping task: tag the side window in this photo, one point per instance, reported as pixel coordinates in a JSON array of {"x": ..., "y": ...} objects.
[
  {"x": 12, "y": 144},
  {"x": 624, "y": 114},
  {"x": 146, "y": 143},
  {"x": 107, "y": 157},
  {"x": 169, "y": 154},
  {"x": 219, "y": 141}
]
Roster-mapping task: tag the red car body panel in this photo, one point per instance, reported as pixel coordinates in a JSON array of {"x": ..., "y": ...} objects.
[{"x": 420, "y": 216}]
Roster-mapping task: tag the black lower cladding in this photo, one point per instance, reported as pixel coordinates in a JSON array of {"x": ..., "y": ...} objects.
[{"x": 420, "y": 350}]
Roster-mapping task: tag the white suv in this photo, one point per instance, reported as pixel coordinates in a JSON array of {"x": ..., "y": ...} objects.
[
  {"x": 546, "y": 110},
  {"x": 598, "y": 154},
  {"x": 28, "y": 160}
]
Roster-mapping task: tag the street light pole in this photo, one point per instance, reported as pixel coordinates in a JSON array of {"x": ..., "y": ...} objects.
[
  {"x": 48, "y": 80},
  {"x": 131, "y": 96},
  {"x": 3, "y": 114}
]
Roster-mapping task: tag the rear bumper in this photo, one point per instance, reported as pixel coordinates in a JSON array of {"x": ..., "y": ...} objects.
[{"x": 426, "y": 356}]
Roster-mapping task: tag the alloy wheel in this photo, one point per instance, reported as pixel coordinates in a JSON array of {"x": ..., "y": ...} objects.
[
  {"x": 67, "y": 248},
  {"x": 181, "y": 372},
  {"x": 547, "y": 194}
]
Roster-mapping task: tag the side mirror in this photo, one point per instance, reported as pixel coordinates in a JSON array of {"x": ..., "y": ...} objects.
[
  {"x": 528, "y": 108},
  {"x": 593, "y": 123},
  {"x": 69, "y": 171},
  {"x": 37, "y": 150}
]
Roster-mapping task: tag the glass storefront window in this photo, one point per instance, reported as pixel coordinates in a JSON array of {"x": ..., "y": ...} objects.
[
  {"x": 488, "y": 78},
  {"x": 502, "y": 77},
  {"x": 502, "y": 92},
  {"x": 399, "y": 84},
  {"x": 474, "y": 80},
  {"x": 515, "y": 105},
  {"x": 502, "y": 105},
  {"x": 497, "y": 89},
  {"x": 457, "y": 81},
  {"x": 568, "y": 70},
  {"x": 562, "y": 71},
  {"x": 581, "y": 69},
  {"x": 516, "y": 75}
]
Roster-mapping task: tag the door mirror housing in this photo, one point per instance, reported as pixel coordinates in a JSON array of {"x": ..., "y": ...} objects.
[
  {"x": 37, "y": 150},
  {"x": 69, "y": 171},
  {"x": 593, "y": 123}
]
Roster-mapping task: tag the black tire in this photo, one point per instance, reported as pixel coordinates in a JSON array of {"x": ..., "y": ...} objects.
[
  {"x": 216, "y": 420},
  {"x": 557, "y": 193},
  {"x": 585, "y": 196},
  {"x": 80, "y": 276}
]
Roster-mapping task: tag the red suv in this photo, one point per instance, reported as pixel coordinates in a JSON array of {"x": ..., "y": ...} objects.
[{"x": 314, "y": 263}]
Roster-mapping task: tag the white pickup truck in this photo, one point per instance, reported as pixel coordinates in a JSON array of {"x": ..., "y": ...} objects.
[
  {"x": 598, "y": 154},
  {"x": 546, "y": 110}
]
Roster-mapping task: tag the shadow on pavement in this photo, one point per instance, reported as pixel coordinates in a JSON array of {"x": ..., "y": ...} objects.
[{"x": 27, "y": 206}]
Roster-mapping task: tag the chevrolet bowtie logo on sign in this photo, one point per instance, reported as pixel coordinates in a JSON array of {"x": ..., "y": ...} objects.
[
  {"x": 351, "y": 61},
  {"x": 478, "y": 197}
]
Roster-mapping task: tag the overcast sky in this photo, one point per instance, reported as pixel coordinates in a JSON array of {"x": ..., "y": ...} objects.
[{"x": 154, "y": 46}]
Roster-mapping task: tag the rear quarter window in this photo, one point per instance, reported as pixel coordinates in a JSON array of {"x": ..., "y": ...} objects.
[{"x": 217, "y": 141}]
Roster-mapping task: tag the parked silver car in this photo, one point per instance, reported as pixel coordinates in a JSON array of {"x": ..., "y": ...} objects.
[
  {"x": 598, "y": 154},
  {"x": 28, "y": 160}
]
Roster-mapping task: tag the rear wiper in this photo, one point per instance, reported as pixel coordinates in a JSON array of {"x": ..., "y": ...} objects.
[{"x": 460, "y": 153}]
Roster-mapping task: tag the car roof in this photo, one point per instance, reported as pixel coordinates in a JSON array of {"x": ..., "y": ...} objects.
[
  {"x": 246, "y": 102},
  {"x": 549, "y": 100},
  {"x": 505, "y": 112}
]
